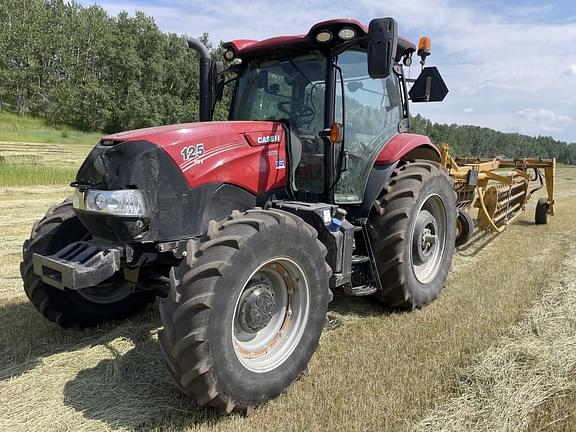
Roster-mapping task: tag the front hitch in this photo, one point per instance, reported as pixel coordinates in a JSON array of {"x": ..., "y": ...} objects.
[{"x": 79, "y": 265}]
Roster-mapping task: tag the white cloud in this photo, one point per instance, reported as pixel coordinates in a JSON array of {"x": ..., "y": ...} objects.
[
  {"x": 468, "y": 110},
  {"x": 502, "y": 62},
  {"x": 571, "y": 70},
  {"x": 543, "y": 116},
  {"x": 229, "y": 19}
]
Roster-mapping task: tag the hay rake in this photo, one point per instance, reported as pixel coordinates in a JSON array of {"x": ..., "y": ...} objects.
[{"x": 499, "y": 188}]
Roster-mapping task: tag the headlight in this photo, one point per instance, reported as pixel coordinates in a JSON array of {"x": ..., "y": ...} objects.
[{"x": 119, "y": 202}]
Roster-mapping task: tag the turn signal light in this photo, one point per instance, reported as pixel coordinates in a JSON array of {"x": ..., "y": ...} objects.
[{"x": 336, "y": 133}]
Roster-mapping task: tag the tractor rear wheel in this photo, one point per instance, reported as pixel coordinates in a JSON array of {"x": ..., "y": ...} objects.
[
  {"x": 246, "y": 309},
  {"x": 110, "y": 300},
  {"x": 413, "y": 227}
]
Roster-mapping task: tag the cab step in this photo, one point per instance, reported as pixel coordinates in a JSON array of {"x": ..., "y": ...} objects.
[{"x": 360, "y": 290}]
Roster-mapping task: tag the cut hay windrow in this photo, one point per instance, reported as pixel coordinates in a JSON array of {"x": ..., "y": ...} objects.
[{"x": 533, "y": 363}]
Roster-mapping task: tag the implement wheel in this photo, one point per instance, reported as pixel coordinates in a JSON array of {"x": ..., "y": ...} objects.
[
  {"x": 110, "y": 300},
  {"x": 246, "y": 309},
  {"x": 542, "y": 216},
  {"x": 464, "y": 227},
  {"x": 413, "y": 227}
]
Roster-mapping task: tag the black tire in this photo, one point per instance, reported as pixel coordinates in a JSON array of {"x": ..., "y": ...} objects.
[
  {"x": 58, "y": 228},
  {"x": 464, "y": 227},
  {"x": 542, "y": 215},
  {"x": 392, "y": 223},
  {"x": 199, "y": 313}
]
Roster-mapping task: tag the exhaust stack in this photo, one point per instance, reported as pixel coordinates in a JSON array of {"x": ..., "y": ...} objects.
[{"x": 205, "y": 61}]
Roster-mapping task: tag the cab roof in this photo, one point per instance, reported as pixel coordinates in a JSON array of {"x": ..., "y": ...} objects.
[{"x": 249, "y": 47}]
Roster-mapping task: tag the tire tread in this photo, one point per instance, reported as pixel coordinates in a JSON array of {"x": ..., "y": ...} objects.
[{"x": 187, "y": 352}]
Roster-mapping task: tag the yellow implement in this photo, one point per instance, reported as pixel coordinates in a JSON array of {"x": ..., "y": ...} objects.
[{"x": 499, "y": 188}]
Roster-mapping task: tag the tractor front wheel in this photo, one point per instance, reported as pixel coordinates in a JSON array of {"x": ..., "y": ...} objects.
[
  {"x": 413, "y": 227},
  {"x": 110, "y": 300},
  {"x": 246, "y": 309}
]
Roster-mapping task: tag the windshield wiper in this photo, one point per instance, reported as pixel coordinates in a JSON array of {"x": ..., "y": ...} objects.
[{"x": 299, "y": 70}]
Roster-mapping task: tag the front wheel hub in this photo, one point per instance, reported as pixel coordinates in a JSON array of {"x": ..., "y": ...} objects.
[
  {"x": 257, "y": 306},
  {"x": 271, "y": 314}
]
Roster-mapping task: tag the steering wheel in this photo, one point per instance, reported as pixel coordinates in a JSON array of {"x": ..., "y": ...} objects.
[{"x": 305, "y": 111}]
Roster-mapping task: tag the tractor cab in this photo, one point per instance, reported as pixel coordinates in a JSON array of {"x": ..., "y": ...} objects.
[
  {"x": 294, "y": 90},
  {"x": 341, "y": 93}
]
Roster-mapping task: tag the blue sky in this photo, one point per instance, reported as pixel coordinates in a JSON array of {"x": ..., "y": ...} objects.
[{"x": 510, "y": 65}]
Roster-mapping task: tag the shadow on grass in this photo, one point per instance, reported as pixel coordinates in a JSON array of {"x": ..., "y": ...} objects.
[
  {"x": 27, "y": 338},
  {"x": 136, "y": 392},
  {"x": 362, "y": 307},
  {"x": 479, "y": 241},
  {"x": 524, "y": 223},
  {"x": 132, "y": 390}
]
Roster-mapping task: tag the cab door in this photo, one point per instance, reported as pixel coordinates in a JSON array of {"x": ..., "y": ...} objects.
[{"x": 373, "y": 111}]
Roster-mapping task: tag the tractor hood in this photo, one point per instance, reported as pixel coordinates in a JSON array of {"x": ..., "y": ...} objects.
[
  {"x": 236, "y": 152},
  {"x": 188, "y": 133},
  {"x": 188, "y": 174}
]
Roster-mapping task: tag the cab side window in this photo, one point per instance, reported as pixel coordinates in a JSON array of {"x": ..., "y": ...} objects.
[{"x": 372, "y": 113}]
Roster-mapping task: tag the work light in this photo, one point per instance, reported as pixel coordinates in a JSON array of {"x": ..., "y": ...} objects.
[
  {"x": 347, "y": 34},
  {"x": 324, "y": 36}
]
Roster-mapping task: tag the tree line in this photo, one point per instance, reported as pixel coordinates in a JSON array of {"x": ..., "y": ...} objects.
[
  {"x": 467, "y": 140},
  {"x": 82, "y": 67}
]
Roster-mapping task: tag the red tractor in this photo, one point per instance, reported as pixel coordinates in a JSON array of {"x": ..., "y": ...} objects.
[{"x": 244, "y": 227}]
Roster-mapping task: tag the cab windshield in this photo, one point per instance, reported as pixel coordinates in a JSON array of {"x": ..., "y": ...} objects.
[{"x": 290, "y": 89}]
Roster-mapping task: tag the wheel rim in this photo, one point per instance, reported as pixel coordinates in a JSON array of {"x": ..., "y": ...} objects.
[
  {"x": 110, "y": 291},
  {"x": 428, "y": 239},
  {"x": 270, "y": 315},
  {"x": 107, "y": 292},
  {"x": 458, "y": 228}
]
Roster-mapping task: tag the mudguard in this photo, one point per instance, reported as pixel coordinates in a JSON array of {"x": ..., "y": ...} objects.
[
  {"x": 403, "y": 146},
  {"x": 407, "y": 146}
]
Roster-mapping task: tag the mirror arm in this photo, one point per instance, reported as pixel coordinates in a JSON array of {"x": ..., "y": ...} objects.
[
  {"x": 339, "y": 49},
  {"x": 404, "y": 124}
]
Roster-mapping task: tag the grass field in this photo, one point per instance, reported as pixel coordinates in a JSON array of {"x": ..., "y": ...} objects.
[
  {"x": 496, "y": 351},
  {"x": 33, "y": 152},
  {"x": 35, "y": 130}
]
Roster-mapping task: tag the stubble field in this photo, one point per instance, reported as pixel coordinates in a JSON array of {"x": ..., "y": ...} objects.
[{"x": 496, "y": 351}]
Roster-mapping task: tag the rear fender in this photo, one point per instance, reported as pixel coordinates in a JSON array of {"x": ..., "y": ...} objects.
[
  {"x": 402, "y": 147},
  {"x": 406, "y": 146}
]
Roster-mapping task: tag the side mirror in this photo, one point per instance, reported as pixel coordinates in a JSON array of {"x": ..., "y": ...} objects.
[
  {"x": 382, "y": 45},
  {"x": 218, "y": 79},
  {"x": 428, "y": 87}
]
